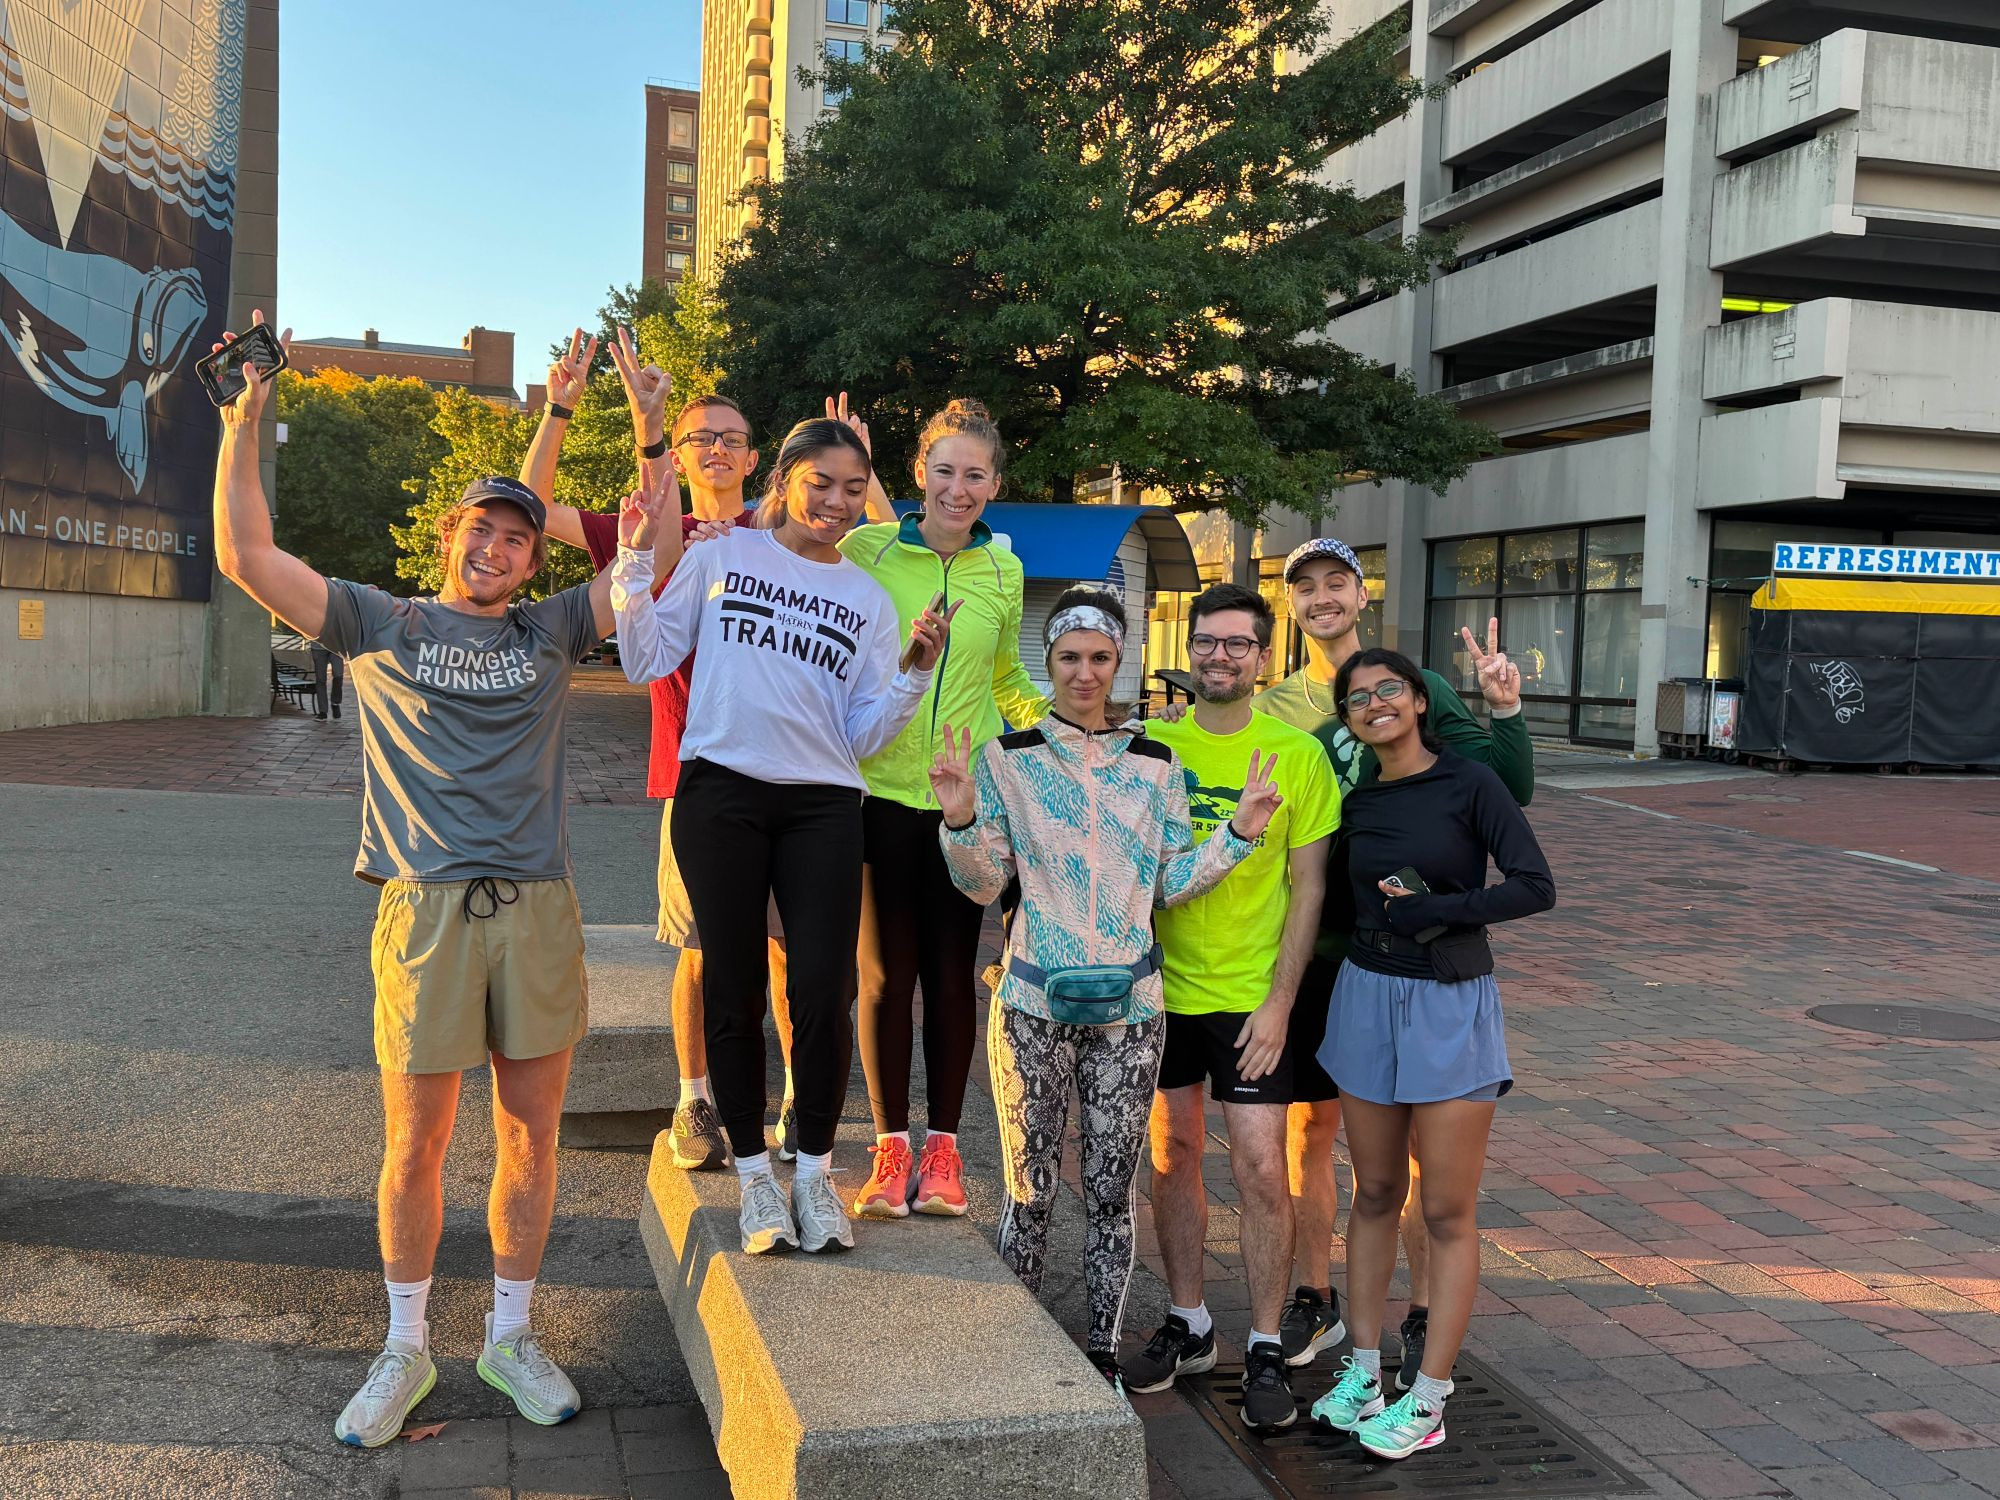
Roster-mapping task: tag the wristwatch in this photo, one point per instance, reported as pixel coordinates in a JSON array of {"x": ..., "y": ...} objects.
[
  {"x": 555, "y": 409},
  {"x": 654, "y": 449}
]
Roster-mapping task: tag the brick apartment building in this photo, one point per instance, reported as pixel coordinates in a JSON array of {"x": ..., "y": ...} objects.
[
  {"x": 673, "y": 134},
  {"x": 483, "y": 362}
]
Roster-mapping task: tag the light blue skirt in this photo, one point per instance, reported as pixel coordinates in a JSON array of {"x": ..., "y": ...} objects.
[{"x": 1391, "y": 1040}]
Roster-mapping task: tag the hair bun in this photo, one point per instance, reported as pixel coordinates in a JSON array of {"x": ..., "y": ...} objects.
[{"x": 968, "y": 406}]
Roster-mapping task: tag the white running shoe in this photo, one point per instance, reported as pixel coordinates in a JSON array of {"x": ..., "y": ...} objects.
[
  {"x": 517, "y": 1365},
  {"x": 823, "y": 1223},
  {"x": 765, "y": 1220},
  {"x": 401, "y": 1376}
]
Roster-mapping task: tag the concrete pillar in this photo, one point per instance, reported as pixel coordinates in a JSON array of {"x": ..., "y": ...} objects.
[
  {"x": 1423, "y": 178},
  {"x": 236, "y": 681},
  {"x": 1672, "y": 628}
]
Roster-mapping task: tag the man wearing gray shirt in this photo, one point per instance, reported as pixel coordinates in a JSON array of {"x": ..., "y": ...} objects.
[{"x": 478, "y": 947}]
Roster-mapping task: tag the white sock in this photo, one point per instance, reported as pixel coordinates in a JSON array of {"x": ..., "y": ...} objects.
[
  {"x": 892, "y": 1135},
  {"x": 750, "y": 1166},
  {"x": 949, "y": 1137},
  {"x": 1196, "y": 1318},
  {"x": 1371, "y": 1361},
  {"x": 407, "y": 1303},
  {"x": 809, "y": 1166},
  {"x": 1257, "y": 1338},
  {"x": 693, "y": 1089},
  {"x": 1430, "y": 1393},
  {"x": 510, "y": 1306}
]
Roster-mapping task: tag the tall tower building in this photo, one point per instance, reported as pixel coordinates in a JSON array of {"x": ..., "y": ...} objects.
[
  {"x": 751, "y": 53},
  {"x": 673, "y": 179}
]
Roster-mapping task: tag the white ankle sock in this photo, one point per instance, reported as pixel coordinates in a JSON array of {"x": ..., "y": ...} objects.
[
  {"x": 1371, "y": 1361},
  {"x": 693, "y": 1089},
  {"x": 407, "y": 1303},
  {"x": 1197, "y": 1318},
  {"x": 750, "y": 1166},
  {"x": 809, "y": 1166},
  {"x": 892, "y": 1135},
  {"x": 1429, "y": 1392},
  {"x": 1257, "y": 1337},
  {"x": 948, "y": 1137},
  {"x": 510, "y": 1306}
]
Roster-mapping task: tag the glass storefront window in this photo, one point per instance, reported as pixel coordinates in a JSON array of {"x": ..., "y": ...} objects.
[
  {"x": 1728, "y": 633},
  {"x": 1287, "y": 641},
  {"x": 1537, "y": 636},
  {"x": 1615, "y": 556},
  {"x": 1446, "y": 655},
  {"x": 1540, "y": 562},
  {"x": 1464, "y": 567},
  {"x": 1374, "y": 572},
  {"x": 1610, "y": 665},
  {"x": 1598, "y": 721}
]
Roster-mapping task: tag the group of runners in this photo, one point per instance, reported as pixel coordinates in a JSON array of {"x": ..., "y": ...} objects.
[{"x": 1278, "y": 897}]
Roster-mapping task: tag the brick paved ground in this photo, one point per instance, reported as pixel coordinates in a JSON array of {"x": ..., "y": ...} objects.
[{"x": 291, "y": 754}]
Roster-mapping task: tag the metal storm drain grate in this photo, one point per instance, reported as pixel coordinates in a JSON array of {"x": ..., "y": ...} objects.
[
  {"x": 1910, "y": 1020},
  {"x": 1497, "y": 1444}
]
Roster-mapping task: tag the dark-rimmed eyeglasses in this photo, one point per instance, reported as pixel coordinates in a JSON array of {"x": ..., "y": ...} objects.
[
  {"x": 1388, "y": 692},
  {"x": 700, "y": 438},
  {"x": 1235, "y": 647}
]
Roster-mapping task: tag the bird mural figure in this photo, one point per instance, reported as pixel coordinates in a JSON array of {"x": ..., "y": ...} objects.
[{"x": 138, "y": 327}]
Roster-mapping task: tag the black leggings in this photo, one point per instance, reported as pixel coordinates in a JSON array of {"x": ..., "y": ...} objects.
[
  {"x": 915, "y": 928},
  {"x": 739, "y": 841}
]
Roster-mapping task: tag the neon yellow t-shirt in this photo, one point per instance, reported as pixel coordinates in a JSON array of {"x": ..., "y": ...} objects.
[{"x": 1221, "y": 949}]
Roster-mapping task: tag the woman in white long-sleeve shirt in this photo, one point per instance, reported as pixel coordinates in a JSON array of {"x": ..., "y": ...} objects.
[{"x": 795, "y": 681}]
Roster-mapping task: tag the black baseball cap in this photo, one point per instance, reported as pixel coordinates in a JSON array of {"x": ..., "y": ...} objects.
[{"x": 500, "y": 487}]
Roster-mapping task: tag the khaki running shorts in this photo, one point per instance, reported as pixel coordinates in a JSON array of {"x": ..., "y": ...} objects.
[
  {"x": 676, "y": 914},
  {"x": 452, "y": 985}
]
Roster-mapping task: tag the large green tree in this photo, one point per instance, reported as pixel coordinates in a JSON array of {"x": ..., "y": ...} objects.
[
  {"x": 352, "y": 448},
  {"x": 1108, "y": 219}
]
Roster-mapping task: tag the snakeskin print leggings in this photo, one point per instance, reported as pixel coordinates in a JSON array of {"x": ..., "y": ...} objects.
[{"x": 1035, "y": 1062}]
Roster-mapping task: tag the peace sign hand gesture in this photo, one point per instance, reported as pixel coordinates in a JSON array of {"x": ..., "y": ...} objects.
[
  {"x": 1499, "y": 679},
  {"x": 639, "y": 515},
  {"x": 647, "y": 387},
  {"x": 836, "y": 411},
  {"x": 951, "y": 778},
  {"x": 1261, "y": 799},
  {"x": 570, "y": 373}
]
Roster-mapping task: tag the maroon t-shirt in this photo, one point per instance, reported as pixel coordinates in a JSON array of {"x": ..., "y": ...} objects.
[{"x": 670, "y": 694}]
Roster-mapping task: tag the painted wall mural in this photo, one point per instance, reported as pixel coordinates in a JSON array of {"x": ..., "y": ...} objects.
[{"x": 118, "y": 139}]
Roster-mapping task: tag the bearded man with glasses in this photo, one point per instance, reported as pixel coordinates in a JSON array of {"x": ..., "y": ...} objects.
[{"x": 1231, "y": 965}]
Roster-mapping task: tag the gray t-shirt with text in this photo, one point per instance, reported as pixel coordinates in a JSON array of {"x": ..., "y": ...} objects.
[{"x": 462, "y": 726}]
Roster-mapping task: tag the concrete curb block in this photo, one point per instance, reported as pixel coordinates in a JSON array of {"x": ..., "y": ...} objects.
[{"x": 915, "y": 1366}]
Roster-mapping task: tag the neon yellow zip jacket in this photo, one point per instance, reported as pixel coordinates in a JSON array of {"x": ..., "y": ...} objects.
[{"x": 980, "y": 678}]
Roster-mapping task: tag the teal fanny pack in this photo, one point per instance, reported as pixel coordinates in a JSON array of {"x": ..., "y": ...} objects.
[{"x": 1088, "y": 994}]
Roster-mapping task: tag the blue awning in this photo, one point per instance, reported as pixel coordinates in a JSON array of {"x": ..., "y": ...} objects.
[{"x": 1079, "y": 542}]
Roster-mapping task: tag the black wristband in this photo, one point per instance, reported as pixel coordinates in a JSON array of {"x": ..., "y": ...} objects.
[
  {"x": 554, "y": 409},
  {"x": 655, "y": 449},
  {"x": 1237, "y": 836},
  {"x": 961, "y": 827}
]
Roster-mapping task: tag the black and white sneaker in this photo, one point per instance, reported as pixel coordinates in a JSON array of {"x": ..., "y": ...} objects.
[
  {"x": 1309, "y": 1323},
  {"x": 1267, "y": 1389},
  {"x": 1413, "y": 1332},
  {"x": 696, "y": 1140},
  {"x": 1173, "y": 1351}
]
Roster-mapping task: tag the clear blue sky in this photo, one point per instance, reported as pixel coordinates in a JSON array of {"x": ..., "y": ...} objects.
[{"x": 443, "y": 163}]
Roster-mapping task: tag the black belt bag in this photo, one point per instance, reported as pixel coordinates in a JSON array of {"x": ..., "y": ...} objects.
[{"x": 1460, "y": 954}]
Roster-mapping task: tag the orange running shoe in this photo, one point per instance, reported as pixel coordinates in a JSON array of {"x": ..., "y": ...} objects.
[
  {"x": 886, "y": 1194},
  {"x": 940, "y": 1189}
]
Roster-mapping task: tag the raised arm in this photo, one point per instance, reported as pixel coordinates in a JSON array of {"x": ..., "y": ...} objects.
[
  {"x": 879, "y": 508},
  {"x": 977, "y": 843},
  {"x": 1505, "y": 747},
  {"x": 244, "y": 548},
  {"x": 654, "y": 636},
  {"x": 647, "y": 387},
  {"x": 1188, "y": 869},
  {"x": 569, "y": 375}
]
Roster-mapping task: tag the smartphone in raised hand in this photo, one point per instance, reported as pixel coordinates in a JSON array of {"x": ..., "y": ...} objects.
[
  {"x": 910, "y": 646},
  {"x": 221, "y": 372}
]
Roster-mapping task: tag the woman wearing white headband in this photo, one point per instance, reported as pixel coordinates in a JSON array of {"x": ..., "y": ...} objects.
[{"x": 1092, "y": 818}]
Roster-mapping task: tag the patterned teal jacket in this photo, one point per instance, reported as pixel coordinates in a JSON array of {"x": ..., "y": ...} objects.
[{"x": 1095, "y": 825}]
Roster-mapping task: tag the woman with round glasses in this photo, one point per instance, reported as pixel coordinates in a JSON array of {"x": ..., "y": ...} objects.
[{"x": 1416, "y": 1040}]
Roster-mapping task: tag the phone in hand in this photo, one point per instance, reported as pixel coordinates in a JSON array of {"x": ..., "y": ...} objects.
[
  {"x": 221, "y": 372},
  {"x": 1408, "y": 879},
  {"x": 910, "y": 647}
]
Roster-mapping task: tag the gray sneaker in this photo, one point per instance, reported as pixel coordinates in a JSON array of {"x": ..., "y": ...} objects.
[
  {"x": 540, "y": 1390},
  {"x": 823, "y": 1222},
  {"x": 696, "y": 1138},
  {"x": 766, "y": 1221},
  {"x": 401, "y": 1376}
]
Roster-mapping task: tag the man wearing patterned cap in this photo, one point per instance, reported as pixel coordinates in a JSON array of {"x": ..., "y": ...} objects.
[{"x": 1327, "y": 592}]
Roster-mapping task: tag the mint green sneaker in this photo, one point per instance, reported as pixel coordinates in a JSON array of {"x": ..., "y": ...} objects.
[
  {"x": 1402, "y": 1429},
  {"x": 517, "y": 1366},
  {"x": 1355, "y": 1397}
]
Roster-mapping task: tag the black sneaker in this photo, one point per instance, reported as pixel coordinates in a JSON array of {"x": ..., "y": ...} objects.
[
  {"x": 1107, "y": 1366},
  {"x": 1308, "y": 1323},
  {"x": 1414, "y": 1328},
  {"x": 1173, "y": 1351},
  {"x": 1267, "y": 1389},
  {"x": 696, "y": 1138}
]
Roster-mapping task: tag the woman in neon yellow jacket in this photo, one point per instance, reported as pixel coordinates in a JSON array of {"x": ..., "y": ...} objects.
[{"x": 915, "y": 926}]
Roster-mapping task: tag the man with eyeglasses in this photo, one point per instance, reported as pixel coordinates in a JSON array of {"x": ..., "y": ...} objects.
[
  {"x": 711, "y": 450},
  {"x": 1327, "y": 593},
  {"x": 1231, "y": 965}
]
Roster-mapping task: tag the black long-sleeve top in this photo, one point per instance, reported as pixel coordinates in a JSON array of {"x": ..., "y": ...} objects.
[{"x": 1443, "y": 823}]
